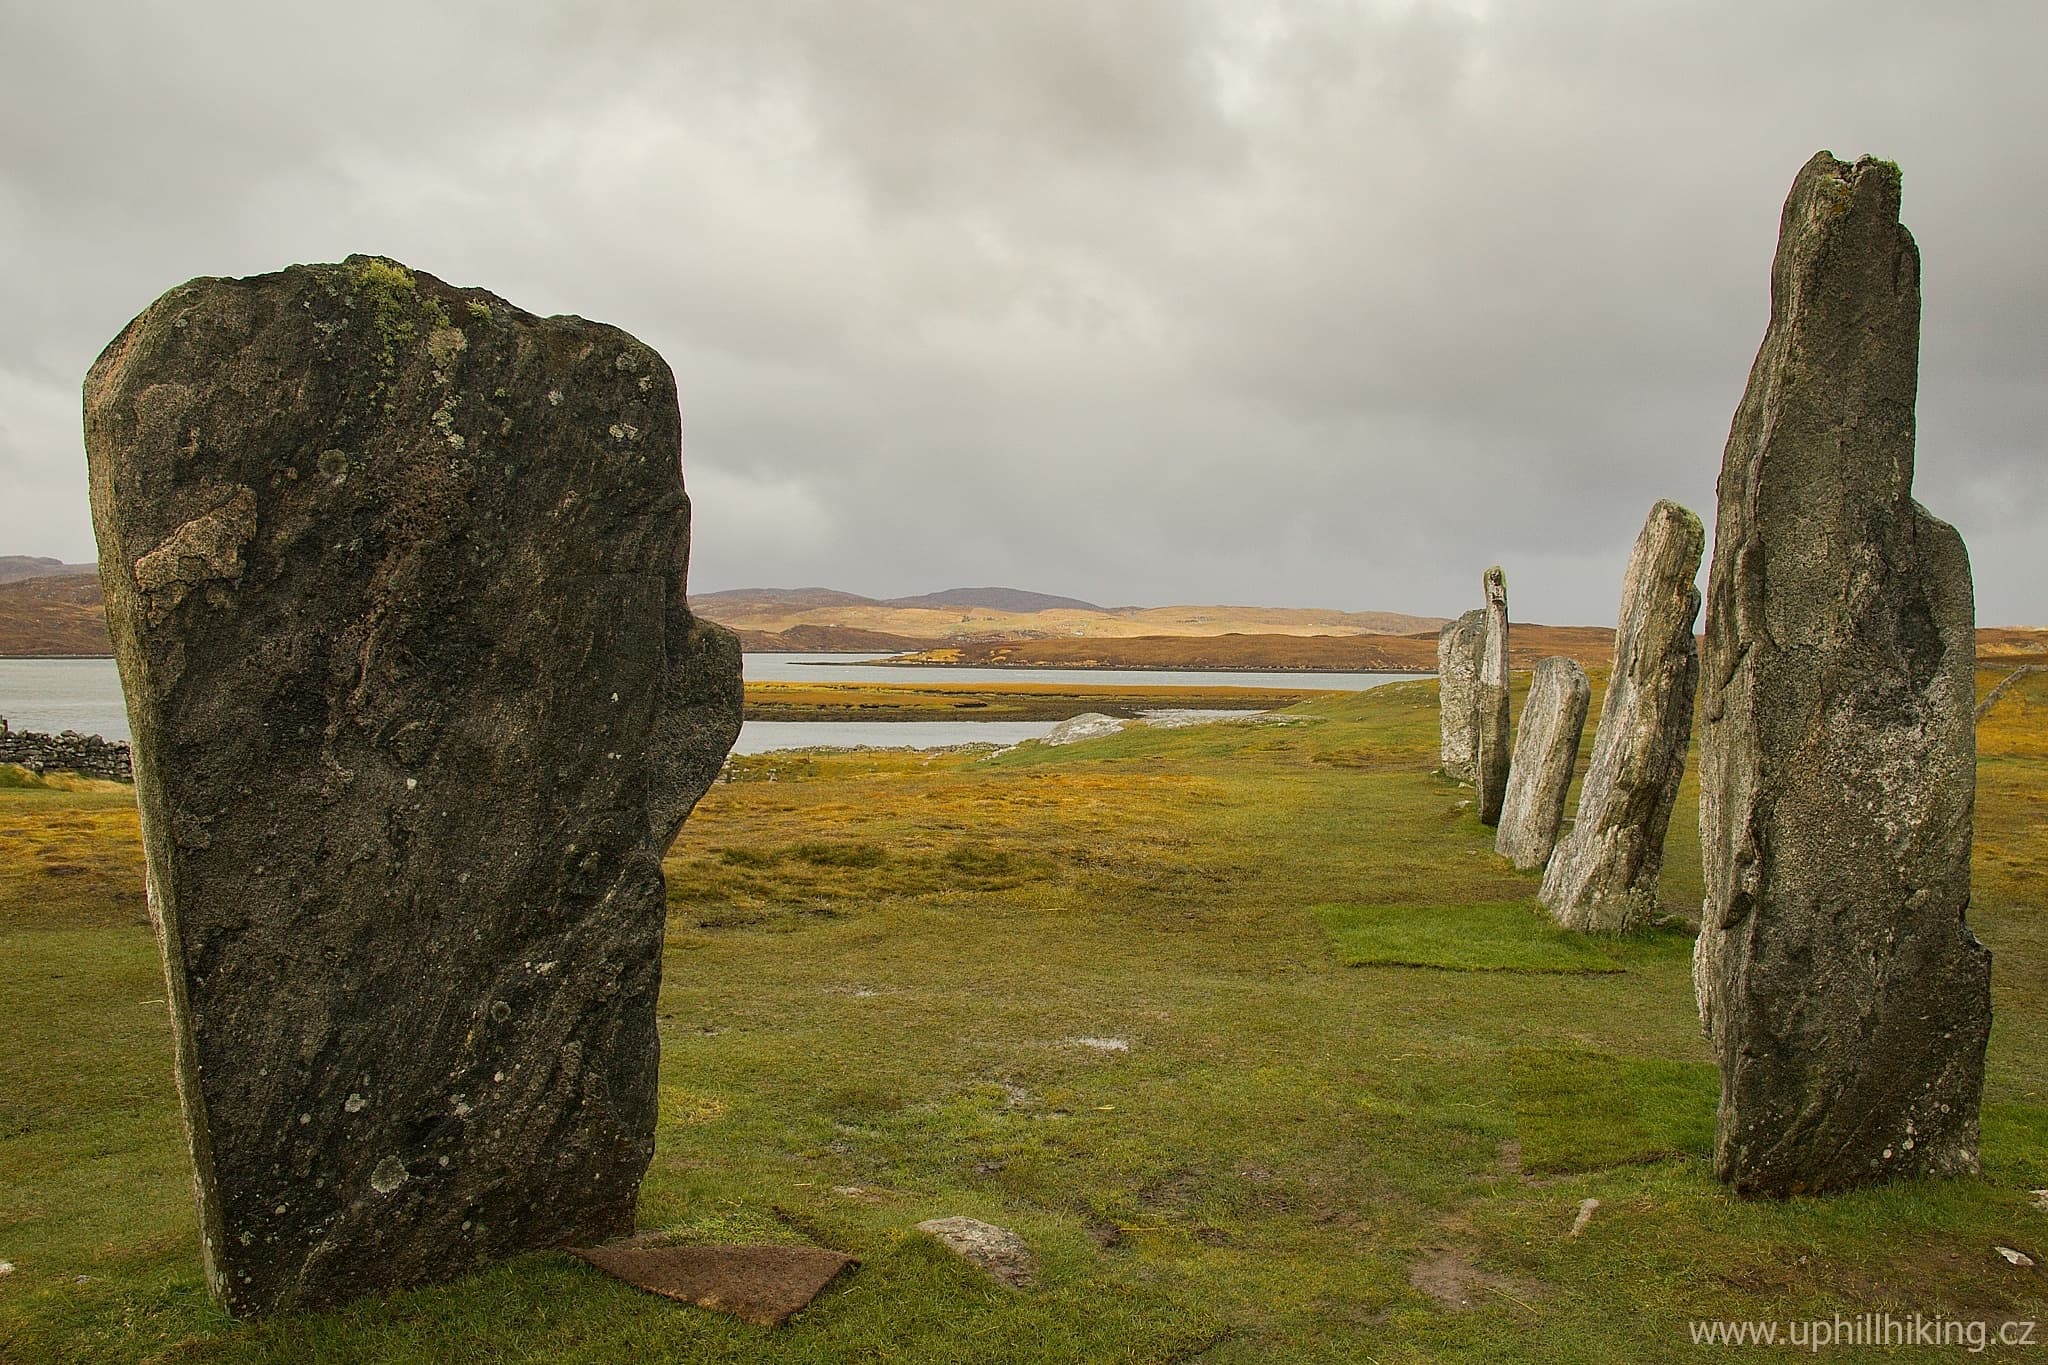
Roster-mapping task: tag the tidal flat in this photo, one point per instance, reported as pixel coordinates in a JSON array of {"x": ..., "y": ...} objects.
[{"x": 881, "y": 968}]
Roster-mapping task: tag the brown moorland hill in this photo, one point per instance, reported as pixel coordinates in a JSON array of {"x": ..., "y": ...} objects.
[
  {"x": 1414, "y": 653},
  {"x": 828, "y": 640},
  {"x": 1006, "y": 614},
  {"x": 60, "y": 616},
  {"x": 53, "y": 617},
  {"x": 2011, "y": 644},
  {"x": 16, "y": 567}
]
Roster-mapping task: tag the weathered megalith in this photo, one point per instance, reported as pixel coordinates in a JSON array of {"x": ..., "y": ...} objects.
[
  {"x": 395, "y": 577},
  {"x": 1495, "y": 754},
  {"x": 1603, "y": 876},
  {"x": 1546, "y": 751},
  {"x": 1458, "y": 647},
  {"x": 1846, "y": 997}
]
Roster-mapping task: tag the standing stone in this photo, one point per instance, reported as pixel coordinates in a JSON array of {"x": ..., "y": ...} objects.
[
  {"x": 1458, "y": 647},
  {"x": 1603, "y": 877},
  {"x": 1546, "y": 751},
  {"x": 1494, "y": 754},
  {"x": 1842, "y": 988},
  {"x": 395, "y": 577}
]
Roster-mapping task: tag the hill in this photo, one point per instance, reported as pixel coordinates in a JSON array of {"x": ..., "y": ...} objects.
[
  {"x": 53, "y": 616},
  {"x": 1592, "y": 646},
  {"x": 14, "y": 568},
  {"x": 995, "y": 599},
  {"x": 1013, "y": 614},
  {"x": 745, "y": 602},
  {"x": 60, "y": 616}
]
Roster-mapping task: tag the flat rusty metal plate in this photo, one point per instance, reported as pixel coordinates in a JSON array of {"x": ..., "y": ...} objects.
[{"x": 759, "y": 1284}]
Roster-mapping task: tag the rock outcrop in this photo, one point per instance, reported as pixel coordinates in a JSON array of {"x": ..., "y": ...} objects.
[
  {"x": 1603, "y": 876},
  {"x": 1546, "y": 752},
  {"x": 395, "y": 578},
  {"x": 1459, "y": 646},
  {"x": 1846, "y": 997},
  {"x": 1495, "y": 751},
  {"x": 1088, "y": 725}
]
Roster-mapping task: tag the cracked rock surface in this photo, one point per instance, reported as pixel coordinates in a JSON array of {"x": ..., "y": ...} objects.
[
  {"x": 1603, "y": 877},
  {"x": 1843, "y": 991},
  {"x": 1546, "y": 752},
  {"x": 1458, "y": 647},
  {"x": 395, "y": 577}
]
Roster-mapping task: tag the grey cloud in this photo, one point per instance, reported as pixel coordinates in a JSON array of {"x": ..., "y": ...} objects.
[{"x": 1314, "y": 302}]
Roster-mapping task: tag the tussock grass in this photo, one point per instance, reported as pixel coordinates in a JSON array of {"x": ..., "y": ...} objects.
[{"x": 879, "y": 966}]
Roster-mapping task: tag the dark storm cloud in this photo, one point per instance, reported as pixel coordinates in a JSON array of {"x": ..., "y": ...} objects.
[{"x": 1303, "y": 303}]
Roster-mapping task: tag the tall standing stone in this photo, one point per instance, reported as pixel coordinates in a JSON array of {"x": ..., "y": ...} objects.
[
  {"x": 1458, "y": 648},
  {"x": 1603, "y": 877},
  {"x": 1841, "y": 986},
  {"x": 395, "y": 577},
  {"x": 1495, "y": 756},
  {"x": 1546, "y": 751}
]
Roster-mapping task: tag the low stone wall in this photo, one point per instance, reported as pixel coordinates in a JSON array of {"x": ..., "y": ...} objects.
[{"x": 68, "y": 752}]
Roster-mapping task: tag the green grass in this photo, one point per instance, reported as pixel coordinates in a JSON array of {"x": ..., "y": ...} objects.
[
  {"x": 877, "y": 968},
  {"x": 1511, "y": 937},
  {"x": 1577, "y": 1110}
]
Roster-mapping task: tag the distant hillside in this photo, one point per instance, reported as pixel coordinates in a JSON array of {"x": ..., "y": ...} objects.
[
  {"x": 828, "y": 640},
  {"x": 750, "y": 601},
  {"x": 2013, "y": 645},
  {"x": 53, "y": 617},
  {"x": 51, "y": 614},
  {"x": 14, "y": 568},
  {"x": 740, "y": 602},
  {"x": 1014, "y": 600},
  {"x": 1014, "y": 614},
  {"x": 1590, "y": 645}
]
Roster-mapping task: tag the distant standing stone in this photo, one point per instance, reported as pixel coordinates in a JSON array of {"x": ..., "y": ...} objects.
[
  {"x": 1546, "y": 751},
  {"x": 999, "y": 1251},
  {"x": 1458, "y": 649},
  {"x": 395, "y": 578},
  {"x": 1495, "y": 755},
  {"x": 1603, "y": 877},
  {"x": 1844, "y": 993}
]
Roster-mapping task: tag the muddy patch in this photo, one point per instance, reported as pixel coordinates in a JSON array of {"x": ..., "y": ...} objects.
[{"x": 1458, "y": 1285}]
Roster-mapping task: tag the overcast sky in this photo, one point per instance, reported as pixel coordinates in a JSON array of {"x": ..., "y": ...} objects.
[{"x": 1325, "y": 304}]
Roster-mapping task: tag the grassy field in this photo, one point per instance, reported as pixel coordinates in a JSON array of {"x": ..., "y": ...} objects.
[{"x": 879, "y": 969}]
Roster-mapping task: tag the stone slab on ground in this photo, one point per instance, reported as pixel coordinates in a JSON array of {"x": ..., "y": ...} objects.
[{"x": 764, "y": 1285}]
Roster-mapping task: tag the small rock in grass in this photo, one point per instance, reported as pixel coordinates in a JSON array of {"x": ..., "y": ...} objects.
[
  {"x": 2018, "y": 1258},
  {"x": 999, "y": 1251},
  {"x": 6, "y": 1267}
]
